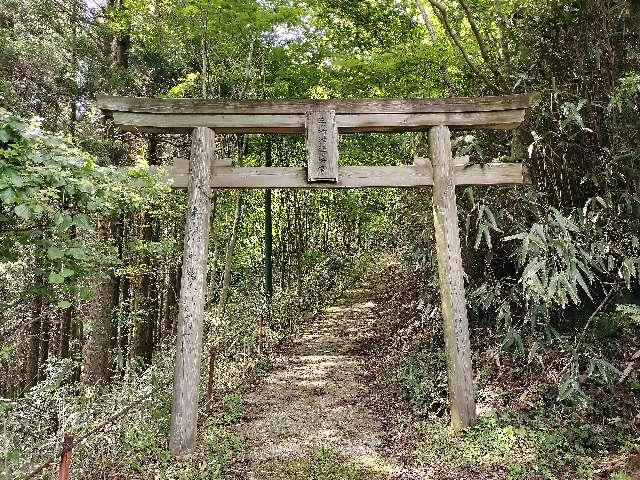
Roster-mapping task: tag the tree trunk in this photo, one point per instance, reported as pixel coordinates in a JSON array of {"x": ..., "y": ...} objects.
[
  {"x": 173, "y": 293},
  {"x": 268, "y": 240},
  {"x": 184, "y": 412},
  {"x": 144, "y": 328},
  {"x": 45, "y": 333},
  {"x": 76, "y": 345},
  {"x": 121, "y": 43},
  {"x": 33, "y": 359},
  {"x": 142, "y": 335},
  {"x": 96, "y": 350},
  {"x": 213, "y": 274},
  {"x": 427, "y": 20},
  {"x": 228, "y": 261},
  {"x": 65, "y": 332}
]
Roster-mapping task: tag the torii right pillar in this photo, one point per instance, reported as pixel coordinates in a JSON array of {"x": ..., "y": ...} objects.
[{"x": 451, "y": 281}]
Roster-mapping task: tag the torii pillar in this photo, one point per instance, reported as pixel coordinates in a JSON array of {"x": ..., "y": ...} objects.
[
  {"x": 451, "y": 280},
  {"x": 184, "y": 412}
]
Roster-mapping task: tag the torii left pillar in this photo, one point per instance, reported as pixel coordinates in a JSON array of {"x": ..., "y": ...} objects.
[{"x": 184, "y": 412}]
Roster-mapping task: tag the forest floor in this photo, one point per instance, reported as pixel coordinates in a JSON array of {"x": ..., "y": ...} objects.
[
  {"x": 361, "y": 393},
  {"x": 310, "y": 416}
]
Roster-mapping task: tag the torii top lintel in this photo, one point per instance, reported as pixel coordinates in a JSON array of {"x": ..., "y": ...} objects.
[{"x": 288, "y": 116}]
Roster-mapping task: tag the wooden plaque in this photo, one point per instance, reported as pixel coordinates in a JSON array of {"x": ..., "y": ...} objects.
[{"x": 322, "y": 146}]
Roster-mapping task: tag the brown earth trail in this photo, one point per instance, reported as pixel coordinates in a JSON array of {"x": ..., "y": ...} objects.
[{"x": 312, "y": 406}]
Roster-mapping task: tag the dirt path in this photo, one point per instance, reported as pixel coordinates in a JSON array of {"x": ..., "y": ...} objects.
[{"x": 310, "y": 409}]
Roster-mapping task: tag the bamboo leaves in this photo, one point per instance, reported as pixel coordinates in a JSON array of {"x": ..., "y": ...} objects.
[
  {"x": 554, "y": 262},
  {"x": 485, "y": 221}
]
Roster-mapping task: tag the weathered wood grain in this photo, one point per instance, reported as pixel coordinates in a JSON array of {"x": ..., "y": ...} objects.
[
  {"x": 295, "y": 123},
  {"x": 284, "y": 107},
  {"x": 321, "y": 141},
  {"x": 184, "y": 412},
  {"x": 353, "y": 177},
  {"x": 451, "y": 280}
]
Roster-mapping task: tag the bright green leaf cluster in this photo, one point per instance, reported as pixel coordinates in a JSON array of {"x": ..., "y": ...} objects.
[{"x": 52, "y": 193}]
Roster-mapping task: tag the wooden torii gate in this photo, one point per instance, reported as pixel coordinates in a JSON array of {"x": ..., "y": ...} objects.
[{"x": 321, "y": 121}]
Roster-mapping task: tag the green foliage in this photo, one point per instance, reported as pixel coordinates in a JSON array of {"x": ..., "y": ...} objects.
[
  {"x": 144, "y": 448},
  {"x": 562, "y": 260},
  {"x": 626, "y": 94},
  {"x": 424, "y": 376},
  {"x": 612, "y": 324},
  {"x": 558, "y": 261},
  {"x": 485, "y": 222},
  {"x": 51, "y": 195},
  {"x": 522, "y": 447},
  {"x": 573, "y": 245},
  {"x": 233, "y": 406}
]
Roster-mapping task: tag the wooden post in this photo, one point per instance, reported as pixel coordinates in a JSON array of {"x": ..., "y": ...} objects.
[
  {"x": 184, "y": 413},
  {"x": 65, "y": 458},
  {"x": 450, "y": 272}
]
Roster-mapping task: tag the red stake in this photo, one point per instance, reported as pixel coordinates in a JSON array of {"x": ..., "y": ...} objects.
[{"x": 65, "y": 458}]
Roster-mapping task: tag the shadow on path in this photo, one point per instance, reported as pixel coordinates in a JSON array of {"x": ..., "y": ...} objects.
[{"x": 314, "y": 398}]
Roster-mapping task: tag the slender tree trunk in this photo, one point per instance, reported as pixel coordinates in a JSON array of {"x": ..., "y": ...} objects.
[
  {"x": 213, "y": 271},
  {"x": 65, "y": 332},
  {"x": 228, "y": 261},
  {"x": 427, "y": 20},
  {"x": 75, "y": 347},
  {"x": 173, "y": 293},
  {"x": 211, "y": 375},
  {"x": 268, "y": 240},
  {"x": 45, "y": 334},
  {"x": 501, "y": 22},
  {"x": 299, "y": 243},
  {"x": 177, "y": 288},
  {"x": 144, "y": 328},
  {"x": 121, "y": 43},
  {"x": 141, "y": 346},
  {"x": 204, "y": 58},
  {"x": 73, "y": 114},
  {"x": 213, "y": 274},
  {"x": 33, "y": 358},
  {"x": 124, "y": 330},
  {"x": 96, "y": 350}
]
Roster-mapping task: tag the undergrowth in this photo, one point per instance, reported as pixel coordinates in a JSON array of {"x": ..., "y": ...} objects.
[
  {"x": 533, "y": 444},
  {"x": 528, "y": 428},
  {"x": 321, "y": 464}
]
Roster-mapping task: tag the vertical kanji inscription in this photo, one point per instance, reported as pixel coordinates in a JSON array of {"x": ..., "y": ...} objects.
[{"x": 322, "y": 146}]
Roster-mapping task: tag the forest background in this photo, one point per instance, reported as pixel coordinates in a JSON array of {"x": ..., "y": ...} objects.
[{"x": 90, "y": 241}]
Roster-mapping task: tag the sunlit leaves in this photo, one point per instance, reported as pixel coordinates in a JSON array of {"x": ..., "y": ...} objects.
[
  {"x": 54, "y": 253},
  {"x": 573, "y": 116},
  {"x": 23, "y": 211},
  {"x": 485, "y": 222},
  {"x": 51, "y": 193},
  {"x": 64, "y": 304},
  {"x": 56, "y": 278}
]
